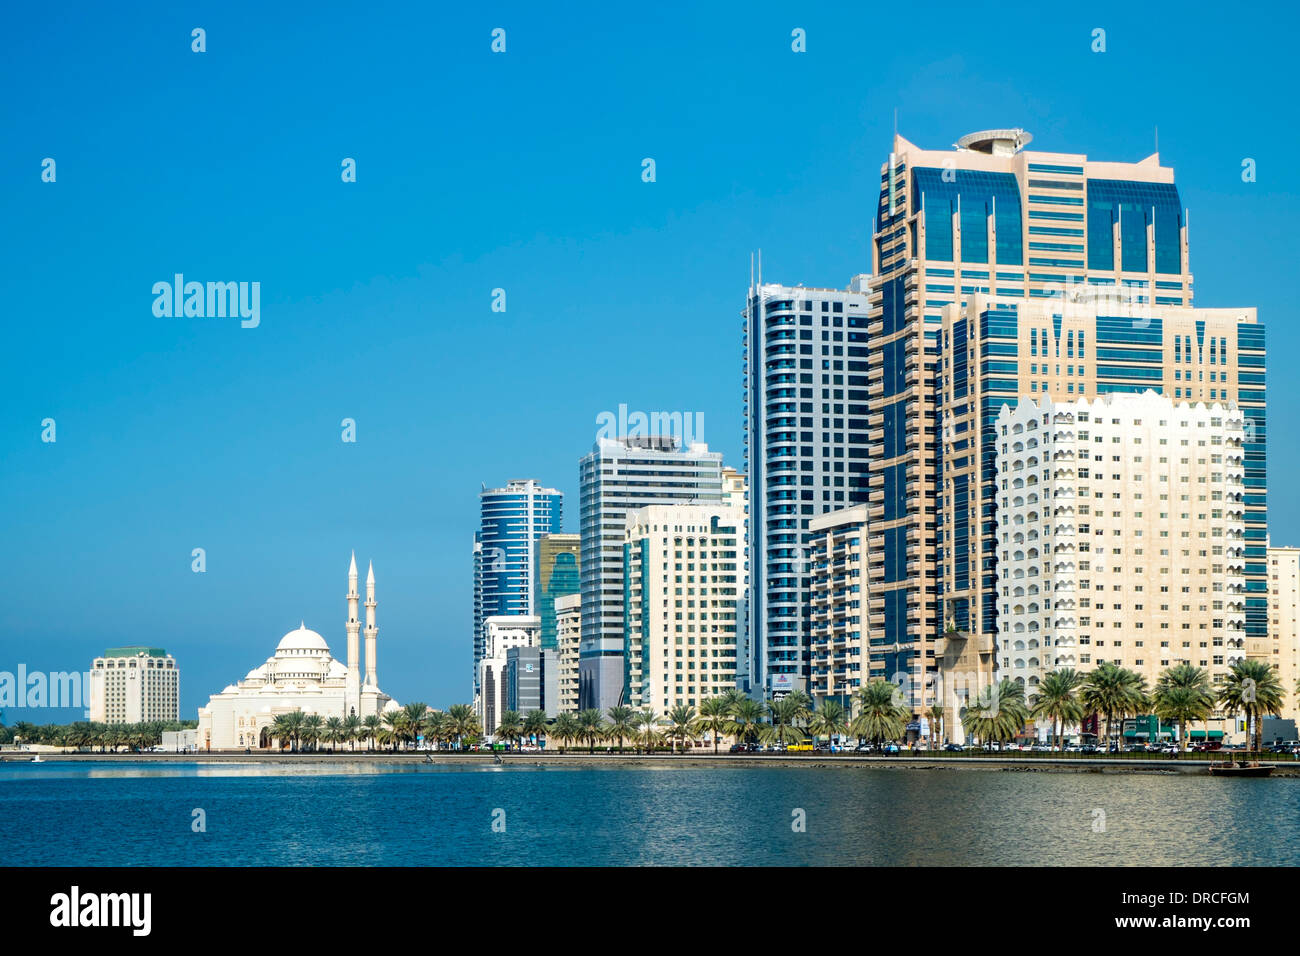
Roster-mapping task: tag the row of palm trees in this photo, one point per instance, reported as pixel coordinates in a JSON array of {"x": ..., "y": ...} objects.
[
  {"x": 93, "y": 735},
  {"x": 790, "y": 719},
  {"x": 1182, "y": 694},
  {"x": 403, "y": 727}
]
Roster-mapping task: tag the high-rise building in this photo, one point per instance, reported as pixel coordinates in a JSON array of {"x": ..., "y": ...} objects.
[
  {"x": 997, "y": 351},
  {"x": 512, "y": 520},
  {"x": 806, "y": 453},
  {"x": 1120, "y": 537},
  {"x": 1281, "y": 648},
  {"x": 683, "y": 584},
  {"x": 987, "y": 217},
  {"x": 557, "y": 574},
  {"x": 568, "y": 638},
  {"x": 133, "y": 685},
  {"x": 618, "y": 476},
  {"x": 839, "y": 603},
  {"x": 501, "y": 634},
  {"x": 735, "y": 493}
]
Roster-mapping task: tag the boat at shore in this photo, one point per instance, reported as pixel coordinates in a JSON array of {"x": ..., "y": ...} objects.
[{"x": 1241, "y": 768}]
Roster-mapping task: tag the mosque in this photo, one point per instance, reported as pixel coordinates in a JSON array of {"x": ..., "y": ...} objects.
[{"x": 301, "y": 675}]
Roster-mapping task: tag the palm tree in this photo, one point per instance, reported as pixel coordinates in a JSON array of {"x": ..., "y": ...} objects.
[
  {"x": 648, "y": 734},
  {"x": 621, "y": 724},
  {"x": 510, "y": 726},
  {"x": 462, "y": 722},
  {"x": 830, "y": 721},
  {"x": 417, "y": 719},
  {"x": 879, "y": 717},
  {"x": 1115, "y": 692},
  {"x": 1058, "y": 700},
  {"x": 592, "y": 726},
  {"x": 565, "y": 729},
  {"x": 393, "y": 730},
  {"x": 371, "y": 726},
  {"x": 535, "y": 725},
  {"x": 682, "y": 724},
  {"x": 714, "y": 717},
  {"x": 1183, "y": 693},
  {"x": 746, "y": 720},
  {"x": 935, "y": 714},
  {"x": 1252, "y": 687},
  {"x": 333, "y": 732},
  {"x": 313, "y": 726},
  {"x": 787, "y": 714},
  {"x": 352, "y": 730}
]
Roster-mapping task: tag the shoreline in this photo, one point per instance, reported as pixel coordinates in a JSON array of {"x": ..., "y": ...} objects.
[{"x": 693, "y": 761}]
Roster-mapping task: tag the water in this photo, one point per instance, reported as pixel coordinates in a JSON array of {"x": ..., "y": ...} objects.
[{"x": 334, "y": 814}]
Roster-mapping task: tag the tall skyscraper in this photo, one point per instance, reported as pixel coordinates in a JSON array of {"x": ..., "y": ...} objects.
[
  {"x": 512, "y": 520},
  {"x": 806, "y": 431},
  {"x": 1006, "y": 350},
  {"x": 987, "y": 217},
  {"x": 618, "y": 476},
  {"x": 556, "y": 574}
]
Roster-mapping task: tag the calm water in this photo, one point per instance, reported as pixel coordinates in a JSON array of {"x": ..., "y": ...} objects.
[{"x": 140, "y": 814}]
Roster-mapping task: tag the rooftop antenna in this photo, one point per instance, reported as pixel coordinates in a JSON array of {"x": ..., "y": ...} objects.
[{"x": 1157, "y": 140}]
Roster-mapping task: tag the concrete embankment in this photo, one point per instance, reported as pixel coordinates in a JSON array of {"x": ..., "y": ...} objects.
[{"x": 575, "y": 758}]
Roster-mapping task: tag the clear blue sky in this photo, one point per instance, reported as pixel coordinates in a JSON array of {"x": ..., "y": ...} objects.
[{"x": 477, "y": 171}]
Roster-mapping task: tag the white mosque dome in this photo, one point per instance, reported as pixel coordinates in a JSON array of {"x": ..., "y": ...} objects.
[{"x": 302, "y": 639}]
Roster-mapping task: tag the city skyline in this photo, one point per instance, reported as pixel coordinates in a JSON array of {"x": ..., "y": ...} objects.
[{"x": 183, "y": 433}]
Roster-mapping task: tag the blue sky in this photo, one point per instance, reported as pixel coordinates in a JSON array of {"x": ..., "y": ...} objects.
[{"x": 478, "y": 171}]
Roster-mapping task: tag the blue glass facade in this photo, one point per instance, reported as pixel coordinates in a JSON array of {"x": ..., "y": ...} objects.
[
  {"x": 1134, "y": 206},
  {"x": 975, "y": 196}
]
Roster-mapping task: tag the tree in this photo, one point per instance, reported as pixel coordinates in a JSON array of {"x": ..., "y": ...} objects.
[
  {"x": 371, "y": 726},
  {"x": 393, "y": 729},
  {"x": 880, "y": 716},
  {"x": 417, "y": 719},
  {"x": 714, "y": 717},
  {"x": 681, "y": 725},
  {"x": 592, "y": 726},
  {"x": 334, "y": 732},
  {"x": 535, "y": 725},
  {"x": 352, "y": 730},
  {"x": 565, "y": 729},
  {"x": 462, "y": 722},
  {"x": 935, "y": 713},
  {"x": 313, "y": 726},
  {"x": 621, "y": 723},
  {"x": 787, "y": 717},
  {"x": 746, "y": 722},
  {"x": 510, "y": 726},
  {"x": 830, "y": 721},
  {"x": 1182, "y": 693},
  {"x": 648, "y": 734},
  {"x": 1252, "y": 688},
  {"x": 1058, "y": 700},
  {"x": 1114, "y": 692}
]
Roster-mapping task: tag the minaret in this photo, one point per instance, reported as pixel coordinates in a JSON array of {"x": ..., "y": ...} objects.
[
  {"x": 371, "y": 630},
  {"x": 352, "y": 687}
]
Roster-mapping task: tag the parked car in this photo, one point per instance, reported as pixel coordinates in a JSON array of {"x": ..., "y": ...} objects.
[
  {"x": 954, "y": 748},
  {"x": 864, "y": 747},
  {"x": 890, "y": 749}
]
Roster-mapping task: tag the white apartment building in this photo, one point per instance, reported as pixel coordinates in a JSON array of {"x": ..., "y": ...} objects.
[
  {"x": 568, "y": 637},
  {"x": 1120, "y": 536},
  {"x": 619, "y": 476},
  {"x": 684, "y": 580},
  {"x": 1282, "y": 649},
  {"x": 501, "y": 633},
  {"x": 132, "y": 685}
]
